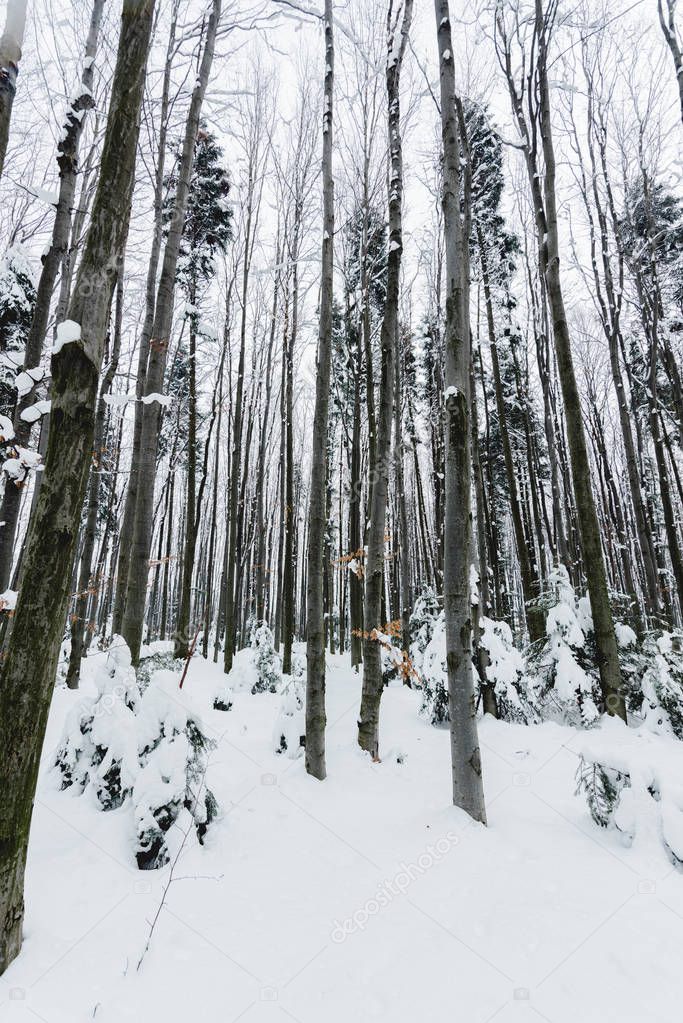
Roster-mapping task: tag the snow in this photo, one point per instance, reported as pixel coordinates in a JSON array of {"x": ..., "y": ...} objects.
[
  {"x": 33, "y": 413},
  {"x": 6, "y": 429},
  {"x": 67, "y": 332},
  {"x": 366, "y": 897},
  {"x": 163, "y": 399},
  {"x": 8, "y": 600}
]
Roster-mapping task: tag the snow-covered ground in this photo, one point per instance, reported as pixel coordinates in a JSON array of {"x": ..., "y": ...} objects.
[{"x": 367, "y": 897}]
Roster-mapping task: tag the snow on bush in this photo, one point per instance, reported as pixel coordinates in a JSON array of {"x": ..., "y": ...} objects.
[
  {"x": 633, "y": 782},
  {"x": 141, "y": 746},
  {"x": 421, "y": 624},
  {"x": 434, "y": 676},
  {"x": 565, "y": 667},
  {"x": 662, "y": 684},
  {"x": 516, "y": 696},
  {"x": 222, "y": 697},
  {"x": 515, "y": 691},
  {"x": 289, "y": 731},
  {"x": 266, "y": 660}
]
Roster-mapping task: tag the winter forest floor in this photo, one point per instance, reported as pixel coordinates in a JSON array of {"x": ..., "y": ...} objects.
[{"x": 366, "y": 897}]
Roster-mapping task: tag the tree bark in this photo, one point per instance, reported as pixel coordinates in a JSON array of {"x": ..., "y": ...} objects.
[
  {"x": 67, "y": 160},
  {"x": 468, "y": 790},
  {"x": 11, "y": 42},
  {"x": 28, "y": 670},
  {"x": 136, "y": 583},
  {"x": 398, "y": 29},
  {"x": 315, "y": 631}
]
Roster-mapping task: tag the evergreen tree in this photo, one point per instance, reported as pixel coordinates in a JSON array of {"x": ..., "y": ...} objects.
[{"x": 17, "y": 299}]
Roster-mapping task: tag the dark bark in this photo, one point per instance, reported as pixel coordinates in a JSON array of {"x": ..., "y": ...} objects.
[
  {"x": 136, "y": 583},
  {"x": 368, "y": 723},
  {"x": 28, "y": 669},
  {"x": 315, "y": 631},
  {"x": 11, "y": 41},
  {"x": 468, "y": 791},
  {"x": 67, "y": 160}
]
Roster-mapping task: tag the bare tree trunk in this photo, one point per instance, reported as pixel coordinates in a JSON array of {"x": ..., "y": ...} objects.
[
  {"x": 11, "y": 41},
  {"x": 315, "y": 631},
  {"x": 28, "y": 669},
  {"x": 398, "y": 29},
  {"x": 67, "y": 160},
  {"x": 468, "y": 790},
  {"x": 145, "y": 336},
  {"x": 545, "y": 212},
  {"x": 668, "y": 24},
  {"x": 79, "y": 622},
  {"x": 136, "y": 586}
]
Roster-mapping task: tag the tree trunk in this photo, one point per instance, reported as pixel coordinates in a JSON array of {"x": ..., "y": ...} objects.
[
  {"x": 80, "y": 624},
  {"x": 315, "y": 632},
  {"x": 468, "y": 791},
  {"x": 28, "y": 670},
  {"x": 67, "y": 160},
  {"x": 128, "y": 522},
  {"x": 368, "y": 721},
  {"x": 11, "y": 41},
  {"x": 136, "y": 584}
]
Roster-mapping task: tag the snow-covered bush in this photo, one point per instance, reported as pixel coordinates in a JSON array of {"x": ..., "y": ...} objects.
[
  {"x": 632, "y": 781},
  {"x": 147, "y": 748},
  {"x": 516, "y": 697},
  {"x": 661, "y": 684},
  {"x": 156, "y": 657},
  {"x": 222, "y": 697},
  {"x": 421, "y": 624},
  {"x": 434, "y": 676},
  {"x": 565, "y": 669},
  {"x": 266, "y": 660},
  {"x": 289, "y": 732}
]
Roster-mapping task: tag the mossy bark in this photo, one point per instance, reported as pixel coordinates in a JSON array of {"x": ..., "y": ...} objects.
[{"x": 28, "y": 670}]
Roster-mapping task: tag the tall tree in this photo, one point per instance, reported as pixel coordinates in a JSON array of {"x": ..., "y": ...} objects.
[
  {"x": 53, "y": 261},
  {"x": 28, "y": 669},
  {"x": 468, "y": 789},
  {"x": 535, "y": 129},
  {"x": 136, "y": 583},
  {"x": 11, "y": 42},
  {"x": 317, "y": 506},
  {"x": 399, "y": 17}
]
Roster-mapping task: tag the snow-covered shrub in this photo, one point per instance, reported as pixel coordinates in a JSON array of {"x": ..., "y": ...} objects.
[
  {"x": 289, "y": 732},
  {"x": 506, "y": 671},
  {"x": 266, "y": 660},
  {"x": 565, "y": 669},
  {"x": 421, "y": 624},
  {"x": 144, "y": 747},
  {"x": 662, "y": 684},
  {"x": 434, "y": 676},
  {"x": 158, "y": 657},
  {"x": 222, "y": 697},
  {"x": 632, "y": 781}
]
